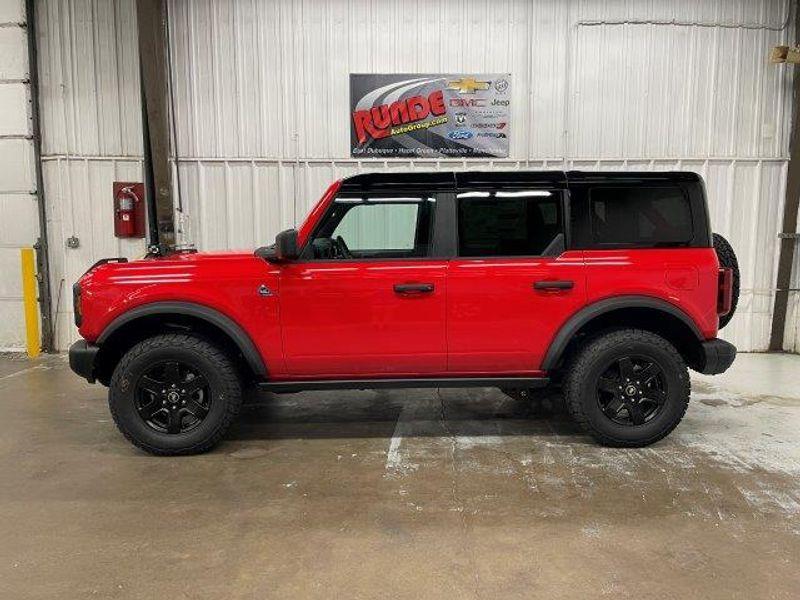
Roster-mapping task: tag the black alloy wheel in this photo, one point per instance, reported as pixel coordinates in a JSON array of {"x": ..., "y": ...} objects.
[
  {"x": 627, "y": 387},
  {"x": 175, "y": 393},
  {"x": 173, "y": 397},
  {"x": 632, "y": 390}
]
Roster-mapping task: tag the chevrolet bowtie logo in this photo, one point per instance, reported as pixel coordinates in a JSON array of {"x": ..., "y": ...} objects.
[{"x": 467, "y": 85}]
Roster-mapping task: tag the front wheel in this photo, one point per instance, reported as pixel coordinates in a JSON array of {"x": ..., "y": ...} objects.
[
  {"x": 174, "y": 394},
  {"x": 627, "y": 388}
]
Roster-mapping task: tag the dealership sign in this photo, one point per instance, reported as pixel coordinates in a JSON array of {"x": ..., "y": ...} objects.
[{"x": 457, "y": 115}]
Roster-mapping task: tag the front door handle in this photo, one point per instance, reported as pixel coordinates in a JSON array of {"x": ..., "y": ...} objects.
[
  {"x": 413, "y": 288},
  {"x": 563, "y": 284}
]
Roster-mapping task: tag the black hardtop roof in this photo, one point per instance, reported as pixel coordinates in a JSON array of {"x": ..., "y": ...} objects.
[{"x": 389, "y": 180}]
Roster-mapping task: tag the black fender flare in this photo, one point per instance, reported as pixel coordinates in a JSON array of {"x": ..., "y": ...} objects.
[
  {"x": 232, "y": 329},
  {"x": 592, "y": 311}
]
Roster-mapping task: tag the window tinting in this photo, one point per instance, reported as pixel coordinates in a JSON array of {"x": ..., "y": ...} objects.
[
  {"x": 640, "y": 216},
  {"x": 510, "y": 223},
  {"x": 382, "y": 227}
]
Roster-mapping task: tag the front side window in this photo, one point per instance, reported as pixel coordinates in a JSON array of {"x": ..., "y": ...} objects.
[
  {"x": 640, "y": 216},
  {"x": 508, "y": 223},
  {"x": 375, "y": 227}
]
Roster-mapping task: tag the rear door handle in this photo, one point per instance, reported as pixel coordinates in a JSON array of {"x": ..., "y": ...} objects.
[
  {"x": 413, "y": 288},
  {"x": 563, "y": 284}
]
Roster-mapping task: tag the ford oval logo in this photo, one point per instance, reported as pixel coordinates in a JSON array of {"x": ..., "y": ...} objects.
[{"x": 459, "y": 135}]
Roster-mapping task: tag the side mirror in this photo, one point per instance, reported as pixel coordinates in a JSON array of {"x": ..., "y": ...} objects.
[
  {"x": 286, "y": 245},
  {"x": 284, "y": 248}
]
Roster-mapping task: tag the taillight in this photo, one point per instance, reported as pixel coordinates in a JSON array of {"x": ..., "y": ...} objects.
[
  {"x": 724, "y": 291},
  {"x": 76, "y": 304}
]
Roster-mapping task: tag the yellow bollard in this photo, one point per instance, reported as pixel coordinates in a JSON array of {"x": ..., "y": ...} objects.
[{"x": 30, "y": 302}]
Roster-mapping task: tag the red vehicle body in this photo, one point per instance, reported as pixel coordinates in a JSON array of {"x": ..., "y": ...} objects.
[
  {"x": 350, "y": 321},
  {"x": 373, "y": 332}
]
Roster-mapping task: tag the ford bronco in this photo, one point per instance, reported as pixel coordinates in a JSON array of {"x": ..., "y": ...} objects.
[{"x": 609, "y": 285}]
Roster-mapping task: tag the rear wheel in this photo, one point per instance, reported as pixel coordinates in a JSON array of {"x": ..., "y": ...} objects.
[
  {"x": 727, "y": 259},
  {"x": 174, "y": 394},
  {"x": 627, "y": 388}
]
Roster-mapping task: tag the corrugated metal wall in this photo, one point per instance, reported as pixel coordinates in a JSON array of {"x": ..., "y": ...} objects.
[
  {"x": 19, "y": 224},
  {"x": 262, "y": 108},
  {"x": 792, "y": 337},
  {"x": 91, "y": 135}
]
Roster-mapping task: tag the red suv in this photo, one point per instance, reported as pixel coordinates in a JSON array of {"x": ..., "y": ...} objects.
[{"x": 609, "y": 284}]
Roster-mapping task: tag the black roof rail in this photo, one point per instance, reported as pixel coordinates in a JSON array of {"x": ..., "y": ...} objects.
[
  {"x": 388, "y": 181},
  {"x": 632, "y": 176}
]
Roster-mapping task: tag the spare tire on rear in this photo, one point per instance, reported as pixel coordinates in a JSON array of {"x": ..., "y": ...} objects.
[{"x": 727, "y": 259}]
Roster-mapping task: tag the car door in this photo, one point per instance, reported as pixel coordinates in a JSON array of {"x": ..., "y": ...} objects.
[
  {"x": 367, "y": 297},
  {"x": 513, "y": 284}
]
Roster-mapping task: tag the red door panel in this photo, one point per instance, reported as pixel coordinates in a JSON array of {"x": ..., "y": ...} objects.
[
  {"x": 345, "y": 319},
  {"x": 498, "y": 322}
]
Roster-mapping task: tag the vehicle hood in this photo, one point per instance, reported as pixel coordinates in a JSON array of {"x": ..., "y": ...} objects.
[{"x": 181, "y": 265}]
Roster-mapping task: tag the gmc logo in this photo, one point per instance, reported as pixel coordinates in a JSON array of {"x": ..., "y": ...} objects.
[{"x": 467, "y": 102}]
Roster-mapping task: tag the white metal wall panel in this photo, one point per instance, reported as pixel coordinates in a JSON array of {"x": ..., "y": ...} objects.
[
  {"x": 736, "y": 14},
  {"x": 256, "y": 79},
  {"x": 92, "y": 136},
  {"x": 89, "y": 78},
  {"x": 12, "y": 11},
  {"x": 262, "y": 106},
  {"x": 16, "y": 165},
  {"x": 18, "y": 209},
  {"x": 14, "y": 116},
  {"x": 656, "y": 91},
  {"x": 79, "y": 204},
  {"x": 13, "y": 50},
  {"x": 792, "y": 334}
]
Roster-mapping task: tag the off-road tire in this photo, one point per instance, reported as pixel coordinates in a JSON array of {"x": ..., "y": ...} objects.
[
  {"x": 583, "y": 373},
  {"x": 216, "y": 366},
  {"x": 727, "y": 258}
]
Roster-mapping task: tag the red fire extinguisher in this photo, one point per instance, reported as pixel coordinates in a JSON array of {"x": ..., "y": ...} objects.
[{"x": 127, "y": 209}]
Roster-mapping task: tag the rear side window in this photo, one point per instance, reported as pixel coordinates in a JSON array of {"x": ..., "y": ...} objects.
[
  {"x": 640, "y": 216},
  {"x": 508, "y": 223}
]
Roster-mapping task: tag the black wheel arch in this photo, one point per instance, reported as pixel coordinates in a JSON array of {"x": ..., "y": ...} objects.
[
  {"x": 153, "y": 318},
  {"x": 643, "y": 312}
]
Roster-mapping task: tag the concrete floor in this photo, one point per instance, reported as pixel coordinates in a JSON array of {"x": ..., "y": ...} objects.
[{"x": 408, "y": 494}]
